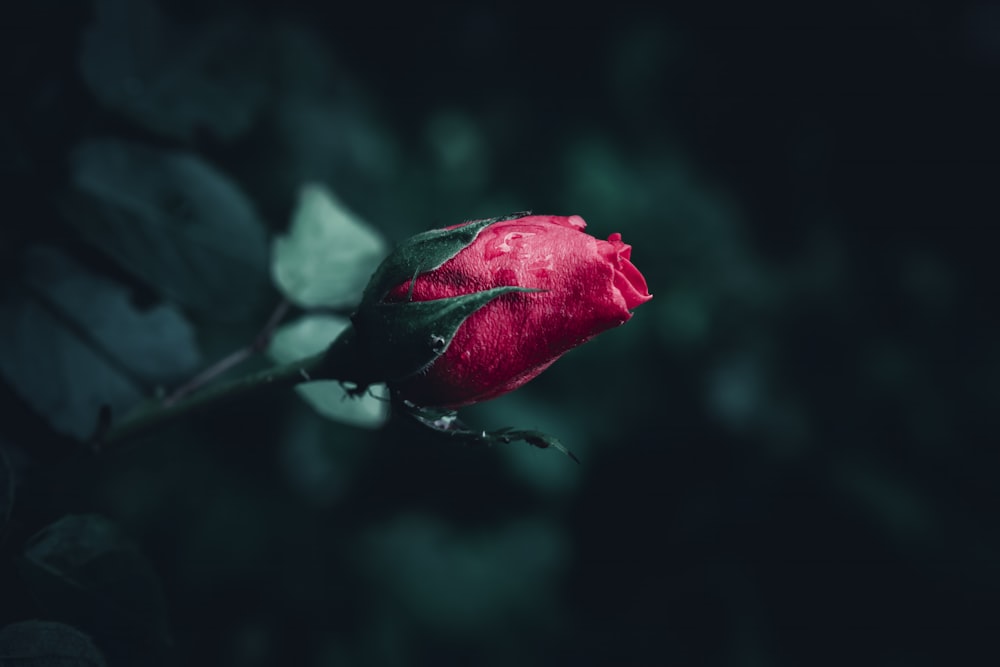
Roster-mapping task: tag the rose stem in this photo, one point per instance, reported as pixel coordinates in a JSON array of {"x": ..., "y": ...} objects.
[
  {"x": 285, "y": 375},
  {"x": 237, "y": 357},
  {"x": 340, "y": 361}
]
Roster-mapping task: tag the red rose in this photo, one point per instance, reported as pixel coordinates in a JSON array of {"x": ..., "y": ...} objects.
[{"x": 589, "y": 286}]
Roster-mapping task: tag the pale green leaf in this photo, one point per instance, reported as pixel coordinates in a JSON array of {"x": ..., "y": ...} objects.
[{"x": 328, "y": 255}]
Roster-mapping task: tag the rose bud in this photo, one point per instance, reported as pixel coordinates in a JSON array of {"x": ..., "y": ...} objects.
[{"x": 464, "y": 314}]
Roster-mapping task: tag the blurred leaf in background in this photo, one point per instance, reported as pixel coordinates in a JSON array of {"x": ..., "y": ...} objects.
[
  {"x": 47, "y": 644},
  {"x": 75, "y": 341},
  {"x": 172, "y": 220},
  {"x": 174, "y": 79},
  {"x": 82, "y": 570},
  {"x": 6, "y": 490},
  {"x": 327, "y": 129}
]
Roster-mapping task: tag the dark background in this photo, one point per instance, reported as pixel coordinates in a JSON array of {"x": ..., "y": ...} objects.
[{"x": 788, "y": 456}]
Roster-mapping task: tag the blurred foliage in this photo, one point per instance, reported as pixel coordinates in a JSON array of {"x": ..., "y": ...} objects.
[
  {"x": 47, "y": 644},
  {"x": 787, "y": 455},
  {"x": 324, "y": 262},
  {"x": 173, "y": 79},
  {"x": 6, "y": 491},
  {"x": 173, "y": 221},
  {"x": 83, "y": 570},
  {"x": 75, "y": 342}
]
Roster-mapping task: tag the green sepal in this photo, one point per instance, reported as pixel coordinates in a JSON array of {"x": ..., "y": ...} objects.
[
  {"x": 401, "y": 339},
  {"x": 422, "y": 253}
]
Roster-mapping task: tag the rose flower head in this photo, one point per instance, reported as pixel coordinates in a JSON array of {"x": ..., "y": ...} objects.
[{"x": 464, "y": 314}]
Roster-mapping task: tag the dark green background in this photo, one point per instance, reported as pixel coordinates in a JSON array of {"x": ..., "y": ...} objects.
[{"x": 789, "y": 456}]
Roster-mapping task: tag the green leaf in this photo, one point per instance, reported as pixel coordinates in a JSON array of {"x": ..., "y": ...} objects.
[
  {"x": 47, "y": 644},
  {"x": 6, "y": 489},
  {"x": 73, "y": 341},
  {"x": 84, "y": 571},
  {"x": 313, "y": 334},
  {"x": 328, "y": 254},
  {"x": 173, "y": 221},
  {"x": 172, "y": 79}
]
